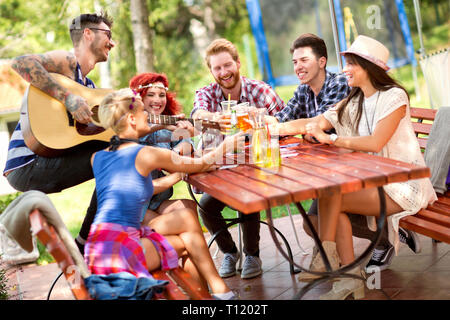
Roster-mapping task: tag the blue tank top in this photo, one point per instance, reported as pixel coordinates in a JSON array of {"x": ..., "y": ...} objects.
[{"x": 122, "y": 191}]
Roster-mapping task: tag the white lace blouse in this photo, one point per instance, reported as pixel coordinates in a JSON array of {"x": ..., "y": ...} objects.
[{"x": 411, "y": 195}]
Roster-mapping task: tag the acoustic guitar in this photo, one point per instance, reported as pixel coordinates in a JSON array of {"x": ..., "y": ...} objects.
[{"x": 49, "y": 130}]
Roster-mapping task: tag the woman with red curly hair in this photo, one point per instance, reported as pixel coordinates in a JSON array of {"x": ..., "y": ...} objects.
[
  {"x": 158, "y": 100},
  {"x": 153, "y": 89}
]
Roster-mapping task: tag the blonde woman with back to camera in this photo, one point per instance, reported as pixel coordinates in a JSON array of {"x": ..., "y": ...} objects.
[{"x": 117, "y": 242}]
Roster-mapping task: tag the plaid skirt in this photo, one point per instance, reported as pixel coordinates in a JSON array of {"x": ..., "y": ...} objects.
[{"x": 112, "y": 248}]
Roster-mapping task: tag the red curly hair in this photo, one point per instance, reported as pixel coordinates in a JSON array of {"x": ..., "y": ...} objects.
[{"x": 173, "y": 107}]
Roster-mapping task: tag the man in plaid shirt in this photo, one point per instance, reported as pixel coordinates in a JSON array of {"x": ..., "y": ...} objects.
[
  {"x": 256, "y": 93},
  {"x": 305, "y": 104},
  {"x": 319, "y": 89},
  {"x": 223, "y": 62}
]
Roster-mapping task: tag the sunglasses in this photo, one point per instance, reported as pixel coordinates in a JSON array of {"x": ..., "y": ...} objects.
[{"x": 108, "y": 32}]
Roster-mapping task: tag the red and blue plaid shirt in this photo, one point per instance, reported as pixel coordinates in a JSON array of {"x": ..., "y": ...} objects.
[
  {"x": 302, "y": 104},
  {"x": 256, "y": 93}
]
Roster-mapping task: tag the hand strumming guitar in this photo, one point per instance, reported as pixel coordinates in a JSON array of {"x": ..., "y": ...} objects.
[{"x": 79, "y": 108}]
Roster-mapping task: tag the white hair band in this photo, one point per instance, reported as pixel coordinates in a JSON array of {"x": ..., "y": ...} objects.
[{"x": 152, "y": 85}]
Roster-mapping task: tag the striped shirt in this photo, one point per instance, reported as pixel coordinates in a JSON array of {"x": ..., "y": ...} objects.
[
  {"x": 304, "y": 104},
  {"x": 19, "y": 154},
  {"x": 256, "y": 93}
]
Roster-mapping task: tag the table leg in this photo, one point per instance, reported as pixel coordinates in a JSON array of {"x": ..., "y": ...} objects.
[
  {"x": 240, "y": 219},
  {"x": 341, "y": 272},
  {"x": 288, "y": 207},
  {"x": 193, "y": 196}
]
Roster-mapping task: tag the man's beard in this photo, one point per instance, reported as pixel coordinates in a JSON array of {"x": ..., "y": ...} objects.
[
  {"x": 98, "y": 52},
  {"x": 227, "y": 85}
]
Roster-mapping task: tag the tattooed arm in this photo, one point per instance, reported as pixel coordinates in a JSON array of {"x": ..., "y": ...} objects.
[{"x": 35, "y": 69}]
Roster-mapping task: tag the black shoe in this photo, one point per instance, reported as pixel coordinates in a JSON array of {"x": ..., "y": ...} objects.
[
  {"x": 80, "y": 247},
  {"x": 381, "y": 259},
  {"x": 410, "y": 238}
]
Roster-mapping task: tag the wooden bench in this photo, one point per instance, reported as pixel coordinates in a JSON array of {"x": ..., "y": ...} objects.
[
  {"x": 433, "y": 221},
  {"x": 181, "y": 284}
]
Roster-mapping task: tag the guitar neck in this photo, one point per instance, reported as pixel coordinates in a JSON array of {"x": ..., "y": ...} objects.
[
  {"x": 172, "y": 120},
  {"x": 166, "y": 120}
]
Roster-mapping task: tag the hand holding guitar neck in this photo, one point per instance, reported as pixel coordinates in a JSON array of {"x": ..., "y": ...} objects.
[
  {"x": 183, "y": 126},
  {"x": 174, "y": 120},
  {"x": 180, "y": 123}
]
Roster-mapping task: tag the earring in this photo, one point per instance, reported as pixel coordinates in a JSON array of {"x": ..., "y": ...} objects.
[{"x": 131, "y": 106}]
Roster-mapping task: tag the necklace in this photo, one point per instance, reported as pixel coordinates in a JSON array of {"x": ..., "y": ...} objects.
[{"x": 369, "y": 127}]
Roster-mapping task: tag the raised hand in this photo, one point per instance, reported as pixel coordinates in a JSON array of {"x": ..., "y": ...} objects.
[{"x": 223, "y": 120}]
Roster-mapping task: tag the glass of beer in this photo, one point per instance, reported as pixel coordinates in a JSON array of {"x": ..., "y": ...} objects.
[{"x": 242, "y": 115}]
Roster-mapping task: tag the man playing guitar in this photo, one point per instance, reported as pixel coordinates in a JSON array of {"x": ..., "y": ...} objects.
[{"x": 25, "y": 170}]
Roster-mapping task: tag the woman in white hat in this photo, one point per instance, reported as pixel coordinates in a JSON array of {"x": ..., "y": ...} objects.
[{"x": 374, "y": 118}]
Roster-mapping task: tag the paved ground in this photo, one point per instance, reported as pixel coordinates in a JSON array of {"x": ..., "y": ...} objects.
[{"x": 420, "y": 276}]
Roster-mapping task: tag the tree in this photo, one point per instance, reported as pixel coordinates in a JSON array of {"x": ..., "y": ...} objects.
[
  {"x": 142, "y": 36},
  {"x": 158, "y": 40},
  {"x": 24, "y": 30}
]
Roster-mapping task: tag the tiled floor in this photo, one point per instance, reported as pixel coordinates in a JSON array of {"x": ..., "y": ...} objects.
[
  {"x": 411, "y": 276},
  {"x": 420, "y": 276}
]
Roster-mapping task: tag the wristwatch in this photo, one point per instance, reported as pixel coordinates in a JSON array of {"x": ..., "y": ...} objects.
[{"x": 333, "y": 138}]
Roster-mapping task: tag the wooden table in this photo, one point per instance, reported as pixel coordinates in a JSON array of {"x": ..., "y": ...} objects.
[{"x": 317, "y": 170}]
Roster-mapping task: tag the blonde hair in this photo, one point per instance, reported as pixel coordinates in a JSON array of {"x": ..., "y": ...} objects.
[
  {"x": 114, "y": 106},
  {"x": 218, "y": 46}
]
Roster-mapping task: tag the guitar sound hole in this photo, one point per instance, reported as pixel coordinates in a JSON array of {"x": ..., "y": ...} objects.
[{"x": 88, "y": 129}]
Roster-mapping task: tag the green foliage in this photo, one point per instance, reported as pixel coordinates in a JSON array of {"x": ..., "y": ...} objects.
[
  {"x": 7, "y": 199},
  {"x": 433, "y": 13},
  {"x": 3, "y": 282},
  {"x": 174, "y": 49},
  {"x": 122, "y": 59},
  {"x": 169, "y": 18},
  {"x": 435, "y": 39},
  {"x": 23, "y": 28},
  {"x": 44, "y": 256},
  {"x": 186, "y": 74}
]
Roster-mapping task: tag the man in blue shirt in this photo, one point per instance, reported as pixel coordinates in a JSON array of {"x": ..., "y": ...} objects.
[
  {"x": 319, "y": 89},
  {"x": 25, "y": 170}
]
